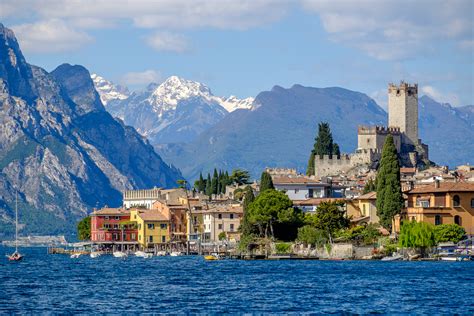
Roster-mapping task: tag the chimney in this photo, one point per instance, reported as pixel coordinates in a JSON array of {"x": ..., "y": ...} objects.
[{"x": 436, "y": 184}]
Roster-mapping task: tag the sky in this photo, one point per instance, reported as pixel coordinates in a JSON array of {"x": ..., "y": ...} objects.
[{"x": 244, "y": 47}]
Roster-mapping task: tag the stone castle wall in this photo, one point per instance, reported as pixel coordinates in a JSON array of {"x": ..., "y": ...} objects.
[{"x": 373, "y": 137}]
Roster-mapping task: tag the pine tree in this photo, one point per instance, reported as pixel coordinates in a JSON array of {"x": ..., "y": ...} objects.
[
  {"x": 208, "y": 185},
  {"x": 323, "y": 145},
  {"x": 245, "y": 227},
  {"x": 266, "y": 182},
  {"x": 214, "y": 182},
  {"x": 389, "y": 191}
]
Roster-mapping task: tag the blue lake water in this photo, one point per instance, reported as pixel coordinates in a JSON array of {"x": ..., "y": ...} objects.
[{"x": 57, "y": 284}]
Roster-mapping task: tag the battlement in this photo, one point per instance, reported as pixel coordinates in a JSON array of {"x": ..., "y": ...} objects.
[
  {"x": 333, "y": 158},
  {"x": 410, "y": 89},
  {"x": 372, "y": 130}
]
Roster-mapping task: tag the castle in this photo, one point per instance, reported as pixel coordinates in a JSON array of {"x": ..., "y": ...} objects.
[{"x": 402, "y": 125}]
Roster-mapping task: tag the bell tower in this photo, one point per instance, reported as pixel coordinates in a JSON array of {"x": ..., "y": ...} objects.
[{"x": 403, "y": 110}]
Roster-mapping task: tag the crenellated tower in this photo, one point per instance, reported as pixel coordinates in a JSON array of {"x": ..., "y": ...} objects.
[{"x": 403, "y": 110}]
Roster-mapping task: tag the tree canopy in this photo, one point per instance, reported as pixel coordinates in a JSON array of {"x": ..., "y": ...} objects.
[
  {"x": 449, "y": 232},
  {"x": 84, "y": 229},
  {"x": 389, "y": 190},
  {"x": 417, "y": 235},
  {"x": 240, "y": 177},
  {"x": 329, "y": 217},
  {"x": 323, "y": 145}
]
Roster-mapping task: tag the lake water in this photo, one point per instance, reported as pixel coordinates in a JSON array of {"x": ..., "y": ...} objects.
[{"x": 55, "y": 283}]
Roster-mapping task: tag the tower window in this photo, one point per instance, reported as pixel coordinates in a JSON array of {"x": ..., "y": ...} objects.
[{"x": 456, "y": 201}]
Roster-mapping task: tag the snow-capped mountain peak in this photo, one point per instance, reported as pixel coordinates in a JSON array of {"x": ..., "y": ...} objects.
[
  {"x": 233, "y": 103},
  {"x": 109, "y": 91}
]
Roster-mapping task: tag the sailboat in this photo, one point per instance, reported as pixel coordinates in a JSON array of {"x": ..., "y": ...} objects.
[{"x": 16, "y": 256}]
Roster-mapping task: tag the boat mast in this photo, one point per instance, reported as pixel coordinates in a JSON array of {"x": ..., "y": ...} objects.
[{"x": 16, "y": 222}]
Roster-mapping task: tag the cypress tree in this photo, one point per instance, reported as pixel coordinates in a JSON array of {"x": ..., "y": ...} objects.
[
  {"x": 208, "y": 185},
  {"x": 245, "y": 227},
  {"x": 201, "y": 183},
  {"x": 389, "y": 190},
  {"x": 214, "y": 182},
  {"x": 323, "y": 145},
  {"x": 266, "y": 182}
]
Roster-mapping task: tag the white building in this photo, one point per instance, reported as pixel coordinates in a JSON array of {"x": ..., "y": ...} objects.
[
  {"x": 221, "y": 218},
  {"x": 302, "y": 188}
]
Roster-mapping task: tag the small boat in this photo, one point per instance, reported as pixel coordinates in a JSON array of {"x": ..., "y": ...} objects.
[
  {"x": 75, "y": 255},
  {"x": 161, "y": 253},
  {"x": 212, "y": 256},
  {"x": 176, "y": 254},
  {"x": 143, "y": 254},
  {"x": 120, "y": 254},
  {"x": 16, "y": 256},
  {"x": 393, "y": 257},
  {"x": 95, "y": 254}
]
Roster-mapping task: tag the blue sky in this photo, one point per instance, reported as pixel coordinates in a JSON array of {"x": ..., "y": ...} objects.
[{"x": 244, "y": 47}]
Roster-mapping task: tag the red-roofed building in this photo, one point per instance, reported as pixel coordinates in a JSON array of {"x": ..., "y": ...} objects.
[{"x": 108, "y": 224}]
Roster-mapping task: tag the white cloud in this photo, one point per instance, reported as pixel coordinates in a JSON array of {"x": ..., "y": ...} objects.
[
  {"x": 49, "y": 36},
  {"x": 169, "y": 42},
  {"x": 141, "y": 78},
  {"x": 438, "y": 96},
  {"x": 393, "y": 30}
]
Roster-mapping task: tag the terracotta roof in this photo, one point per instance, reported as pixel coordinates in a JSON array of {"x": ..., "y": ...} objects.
[
  {"x": 368, "y": 196},
  {"x": 444, "y": 187},
  {"x": 407, "y": 170},
  {"x": 297, "y": 180},
  {"x": 111, "y": 211},
  {"x": 317, "y": 201},
  {"x": 152, "y": 216}
]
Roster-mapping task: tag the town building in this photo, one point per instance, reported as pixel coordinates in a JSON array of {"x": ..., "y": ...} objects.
[
  {"x": 302, "y": 188},
  {"x": 112, "y": 225},
  {"x": 177, "y": 214},
  {"x": 141, "y": 198},
  {"x": 152, "y": 226},
  {"x": 311, "y": 205},
  {"x": 219, "y": 218},
  {"x": 363, "y": 209},
  {"x": 440, "y": 203}
]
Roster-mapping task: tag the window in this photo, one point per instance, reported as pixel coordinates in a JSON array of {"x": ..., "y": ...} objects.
[
  {"x": 163, "y": 226},
  {"x": 106, "y": 226},
  {"x": 150, "y": 239},
  {"x": 363, "y": 209},
  {"x": 114, "y": 236},
  {"x": 115, "y": 226},
  {"x": 220, "y": 226},
  {"x": 231, "y": 216},
  {"x": 425, "y": 203},
  {"x": 124, "y": 236},
  {"x": 457, "y": 220},
  {"x": 117, "y": 218},
  {"x": 438, "y": 220},
  {"x": 107, "y": 217},
  {"x": 231, "y": 227},
  {"x": 219, "y": 216},
  {"x": 456, "y": 201},
  {"x": 135, "y": 216},
  {"x": 163, "y": 238},
  {"x": 151, "y": 226},
  {"x": 472, "y": 203},
  {"x": 139, "y": 237},
  {"x": 133, "y": 236},
  {"x": 310, "y": 193}
]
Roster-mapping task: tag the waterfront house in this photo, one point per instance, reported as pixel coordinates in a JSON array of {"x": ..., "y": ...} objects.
[
  {"x": 153, "y": 227},
  {"x": 440, "y": 203},
  {"x": 220, "y": 218},
  {"x": 177, "y": 214},
  {"x": 112, "y": 225}
]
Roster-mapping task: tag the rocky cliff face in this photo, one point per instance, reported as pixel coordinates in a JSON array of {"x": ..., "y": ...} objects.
[{"x": 61, "y": 150}]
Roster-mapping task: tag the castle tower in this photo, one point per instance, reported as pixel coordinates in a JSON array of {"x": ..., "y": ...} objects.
[{"x": 403, "y": 110}]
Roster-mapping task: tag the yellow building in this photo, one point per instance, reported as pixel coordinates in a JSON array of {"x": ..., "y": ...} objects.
[
  {"x": 363, "y": 209},
  {"x": 440, "y": 203},
  {"x": 153, "y": 227}
]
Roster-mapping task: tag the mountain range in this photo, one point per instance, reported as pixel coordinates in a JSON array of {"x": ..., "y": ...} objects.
[
  {"x": 61, "y": 150},
  {"x": 177, "y": 110}
]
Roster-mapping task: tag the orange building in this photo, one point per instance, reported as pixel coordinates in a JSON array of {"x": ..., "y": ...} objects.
[{"x": 440, "y": 203}]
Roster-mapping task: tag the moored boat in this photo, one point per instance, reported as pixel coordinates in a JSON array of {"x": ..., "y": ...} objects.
[
  {"x": 176, "y": 254},
  {"x": 75, "y": 255},
  {"x": 95, "y": 254},
  {"x": 212, "y": 256},
  {"x": 119, "y": 254},
  {"x": 143, "y": 254},
  {"x": 393, "y": 257},
  {"x": 16, "y": 256}
]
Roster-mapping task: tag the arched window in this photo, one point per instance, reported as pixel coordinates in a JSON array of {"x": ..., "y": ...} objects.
[
  {"x": 438, "y": 220},
  {"x": 456, "y": 201},
  {"x": 457, "y": 220}
]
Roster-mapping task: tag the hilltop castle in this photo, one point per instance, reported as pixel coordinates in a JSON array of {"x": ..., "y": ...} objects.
[{"x": 402, "y": 125}]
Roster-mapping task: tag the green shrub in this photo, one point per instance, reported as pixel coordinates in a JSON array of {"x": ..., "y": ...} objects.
[
  {"x": 312, "y": 236},
  {"x": 449, "y": 232},
  {"x": 222, "y": 236},
  {"x": 417, "y": 235},
  {"x": 282, "y": 248}
]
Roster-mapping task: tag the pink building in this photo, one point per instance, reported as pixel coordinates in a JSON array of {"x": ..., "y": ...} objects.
[{"x": 108, "y": 224}]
